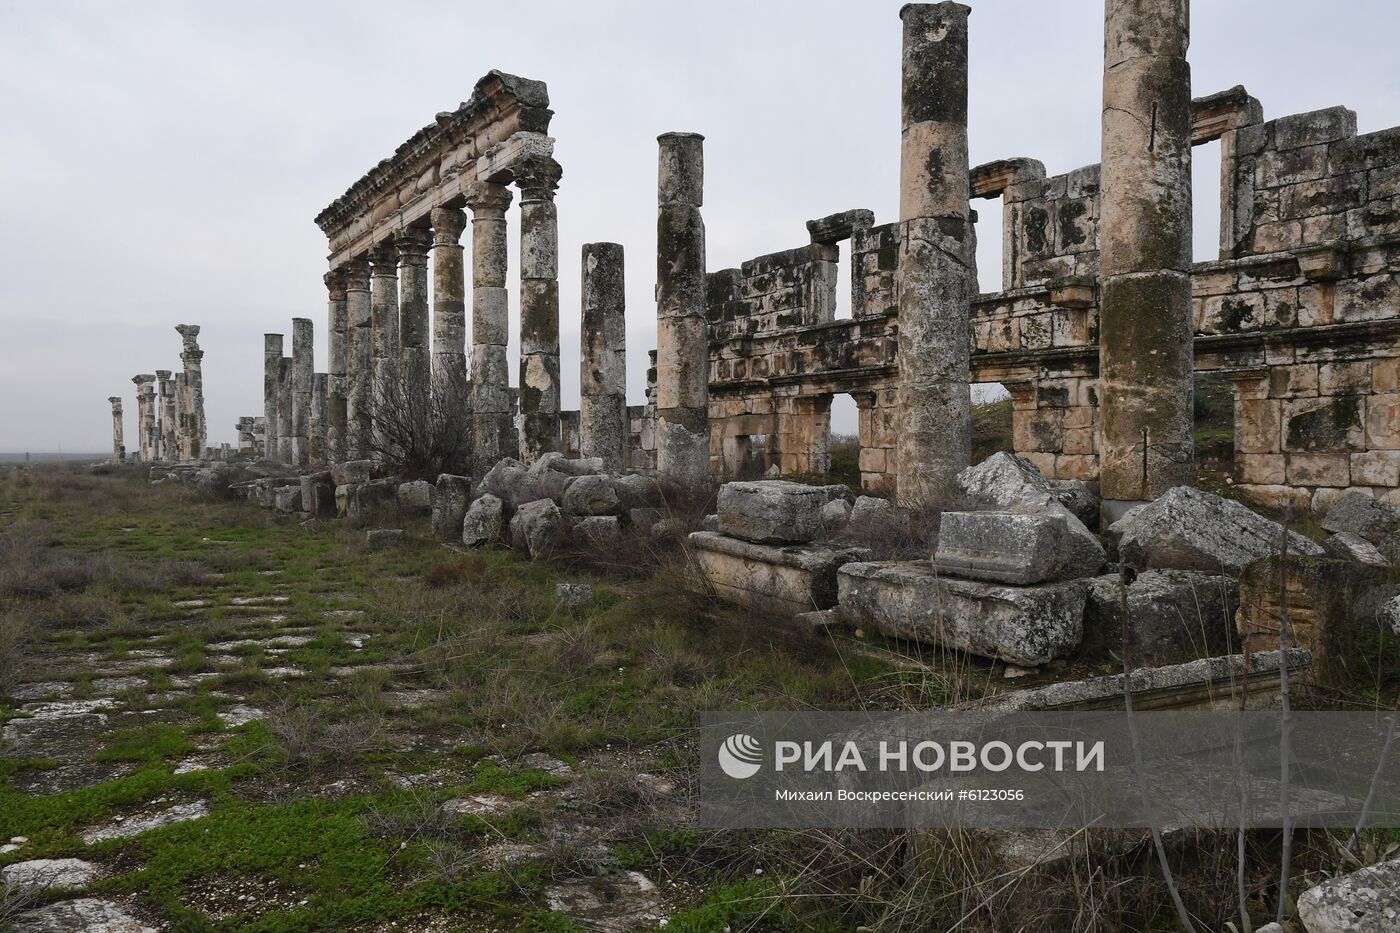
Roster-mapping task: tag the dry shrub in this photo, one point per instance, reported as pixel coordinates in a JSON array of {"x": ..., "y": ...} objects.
[
  {"x": 14, "y": 637},
  {"x": 313, "y": 737}
]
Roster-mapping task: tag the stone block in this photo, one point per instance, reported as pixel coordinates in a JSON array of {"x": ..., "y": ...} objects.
[
  {"x": 483, "y": 521},
  {"x": 1344, "y": 545},
  {"x": 1187, "y": 529},
  {"x": 1257, "y": 425},
  {"x": 1173, "y": 616},
  {"x": 351, "y": 472},
  {"x": 1365, "y": 901},
  {"x": 636, "y": 491},
  {"x": 1075, "y": 495},
  {"x": 603, "y": 533},
  {"x": 787, "y": 578},
  {"x": 1377, "y": 522},
  {"x": 1383, "y": 422},
  {"x": 835, "y": 515},
  {"x": 504, "y": 478},
  {"x": 451, "y": 497},
  {"x": 1320, "y": 594},
  {"x": 380, "y": 539},
  {"x": 1265, "y": 469},
  {"x": 872, "y": 518},
  {"x": 573, "y": 596},
  {"x": 416, "y": 497},
  {"x": 287, "y": 498},
  {"x": 1008, "y": 547},
  {"x": 1376, "y": 468},
  {"x": 1028, "y": 626},
  {"x": 771, "y": 511},
  {"x": 536, "y": 528},
  {"x": 592, "y": 495},
  {"x": 1329, "y": 469}
]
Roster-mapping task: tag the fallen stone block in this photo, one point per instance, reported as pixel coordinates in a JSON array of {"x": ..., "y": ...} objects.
[
  {"x": 600, "y": 532},
  {"x": 591, "y": 495},
  {"x": 360, "y": 499},
  {"x": 1365, "y": 901},
  {"x": 416, "y": 498},
  {"x": 536, "y": 527},
  {"x": 1187, "y": 529},
  {"x": 635, "y": 490},
  {"x": 351, "y": 472},
  {"x": 778, "y": 578},
  {"x": 872, "y": 518},
  {"x": 287, "y": 498},
  {"x": 644, "y": 518},
  {"x": 1075, "y": 495},
  {"x": 483, "y": 522},
  {"x": 835, "y": 516},
  {"x": 1321, "y": 591},
  {"x": 1378, "y": 522},
  {"x": 1025, "y": 625},
  {"x": 1009, "y": 547},
  {"x": 503, "y": 479},
  {"x": 382, "y": 539},
  {"x": 1389, "y": 614},
  {"x": 1206, "y": 683},
  {"x": 451, "y": 497},
  {"x": 771, "y": 511},
  {"x": 710, "y": 523},
  {"x": 1173, "y": 616},
  {"x": 573, "y": 595}
]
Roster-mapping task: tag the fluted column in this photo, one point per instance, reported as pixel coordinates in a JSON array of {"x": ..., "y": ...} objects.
[
  {"x": 316, "y": 423},
  {"x": 1146, "y": 419},
  {"x": 537, "y": 179},
  {"x": 272, "y": 396},
  {"x": 336, "y": 366},
  {"x": 449, "y": 305},
  {"x": 118, "y": 442},
  {"x": 166, "y": 415},
  {"x": 359, "y": 348},
  {"x": 384, "y": 325},
  {"x": 303, "y": 374},
  {"x": 603, "y": 352},
  {"x": 935, "y": 276},
  {"x": 194, "y": 434},
  {"x": 493, "y": 430},
  {"x": 682, "y": 328},
  {"x": 415, "y": 365}
]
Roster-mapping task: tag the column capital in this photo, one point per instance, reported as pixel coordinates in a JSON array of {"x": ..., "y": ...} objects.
[
  {"x": 412, "y": 244},
  {"x": 538, "y": 178},
  {"x": 190, "y": 334},
  {"x": 335, "y": 283},
  {"x": 486, "y": 198},
  {"x": 356, "y": 275},
  {"x": 384, "y": 260},
  {"x": 448, "y": 224},
  {"x": 163, "y": 375},
  {"x": 143, "y": 380}
]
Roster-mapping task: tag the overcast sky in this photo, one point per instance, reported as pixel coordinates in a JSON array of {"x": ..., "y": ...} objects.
[{"x": 161, "y": 163}]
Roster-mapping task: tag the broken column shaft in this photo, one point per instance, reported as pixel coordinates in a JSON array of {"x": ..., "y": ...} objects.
[
  {"x": 145, "y": 416},
  {"x": 935, "y": 278},
  {"x": 449, "y": 307},
  {"x": 286, "y": 440},
  {"x": 603, "y": 363},
  {"x": 493, "y": 431},
  {"x": 316, "y": 424},
  {"x": 192, "y": 436},
  {"x": 303, "y": 373},
  {"x": 166, "y": 421},
  {"x": 1146, "y": 426},
  {"x": 118, "y": 443},
  {"x": 415, "y": 366},
  {"x": 359, "y": 349},
  {"x": 272, "y": 395},
  {"x": 537, "y": 180},
  {"x": 336, "y": 356},
  {"x": 682, "y": 328}
]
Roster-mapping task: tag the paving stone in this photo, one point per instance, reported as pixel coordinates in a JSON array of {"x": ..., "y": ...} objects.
[
  {"x": 84, "y": 915},
  {"x": 39, "y": 875},
  {"x": 134, "y": 826},
  {"x": 612, "y": 903},
  {"x": 238, "y": 715}
]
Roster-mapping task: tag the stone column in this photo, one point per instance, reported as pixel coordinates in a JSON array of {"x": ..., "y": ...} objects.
[
  {"x": 415, "y": 365},
  {"x": 118, "y": 443},
  {"x": 316, "y": 424},
  {"x": 166, "y": 421},
  {"x": 537, "y": 178},
  {"x": 384, "y": 325},
  {"x": 303, "y": 373},
  {"x": 359, "y": 347},
  {"x": 603, "y": 364},
  {"x": 182, "y": 399},
  {"x": 1146, "y": 420},
  {"x": 682, "y": 329},
  {"x": 272, "y": 396},
  {"x": 449, "y": 305},
  {"x": 935, "y": 277},
  {"x": 493, "y": 429},
  {"x": 191, "y": 355},
  {"x": 286, "y": 401},
  {"x": 245, "y": 428},
  {"x": 337, "y": 356},
  {"x": 145, "y": 416}
]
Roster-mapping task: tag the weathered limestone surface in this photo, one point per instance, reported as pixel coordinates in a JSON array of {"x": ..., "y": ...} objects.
[
  {"x": 591, "y": 495},
  {"x": 169, "y": 448},
  {"x": 537, "y": 178},
  {"x": 337, "y": 366},
  {"x": 450, "y": 502},
  {"x": 1357, "y": 550},
  {"x": 935, "y": 279},
  {"x": 771, "y": 511},
  {"x": 536, "y": 528},
  {"x": 1145, "y": 318},
  {"x": 272, "y": 396},
  {"x": 483, "y": 521},
  {"x": 682, "y": 329},
  {"x": 359, "y": 348},
  {"x": 286, "y": 403},
  {"x": 1321, "y": 598},
  {"x": 384, "y": 327},
  {"x": 1187, "y": 529},
  {"x": 603, "y": 364},
  {"x": 1374, "y": 521},
  {"x": 1365, "y": 901},
  {"x": 316, "y": 442},
  {"x": 147, "y": 440},
  {"x": 416, "y": 497},
  {"x": 118, "y": 443},
  {"x": 86, "y": 914},
  {"x": 415, "y": 365},
  {"x": 1174, "y": 616},
  {"x": 192, "y": 436},
  {"x": 493, "y": 432},
  {"x": 383, "y": 539},
  {"x": 351, "y": 471},
  {"x": 1029, "y": 625},
  {"x": 303, "y": 374},
  {"x": 1007, "y": 547},
  {"x": 779, "y": 578},
  {"x": 449, "y": 303}
]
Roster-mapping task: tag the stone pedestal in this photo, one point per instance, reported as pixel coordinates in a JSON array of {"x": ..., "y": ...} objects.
[
  {"x": 118, "y": 442},
  {"x": 785, "y": 579},
  {"x": 1146, "y": 422},
  {"x": 449, "y": 306},
  {"x": 415, "y": 366},
  {"x": 603, "y": 370},
  {"x": 537, "y": 178},
  {"x": 272, "y": 396},
  {"x": 493, "y": 430},
  {"x": 359, "y": 347},
  {"x": 303, "y": 374},
  {"x": 192, "y": 437},
  {"x": 935, "y": 276},
  {"x": 682, "y": 328},
  {"x": 337, "y": 325}
]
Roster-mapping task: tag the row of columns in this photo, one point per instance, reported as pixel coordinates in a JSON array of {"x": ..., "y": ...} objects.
[{"x": 169, "y": 412}]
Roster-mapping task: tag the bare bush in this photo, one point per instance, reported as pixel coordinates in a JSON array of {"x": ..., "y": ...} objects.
[
  {"x": 419, "y": 435},
  {"x": 14, "y": 636},
  {"x": 311, "y": 737}
]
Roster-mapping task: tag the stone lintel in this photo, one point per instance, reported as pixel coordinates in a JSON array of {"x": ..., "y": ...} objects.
[
  {"x": 504, "y": 162},
  {"x": 991, "y": 179},
  {"x": 1216, "y": 114},
  {"x": 834, "y": 228}
]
